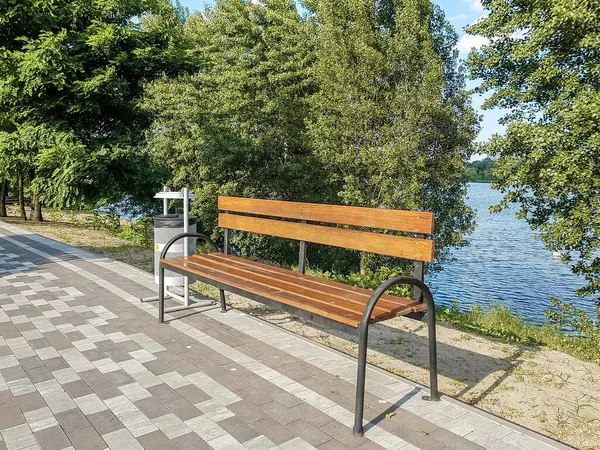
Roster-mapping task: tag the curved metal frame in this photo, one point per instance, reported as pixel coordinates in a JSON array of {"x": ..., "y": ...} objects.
[
  {"x": 363, "y": 335},
  {"x": 161, "y": 272}
]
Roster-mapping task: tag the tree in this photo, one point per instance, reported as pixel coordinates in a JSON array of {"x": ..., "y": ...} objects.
[
  {"x": 481, "y": 171},
  {"x": 542, "y": 62},
  {"x": 392, "y": 123},
  {"x": 238, "y": 126},
  {"x": 71, "y": 75}
]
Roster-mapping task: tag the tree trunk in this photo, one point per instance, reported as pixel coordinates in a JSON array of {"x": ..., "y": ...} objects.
[
  {"x": 363, "y": 263},
  {"x": 3, "y": 194},
  {"x": 36, "y": 207},
  {"x": 21, "y": 196}
]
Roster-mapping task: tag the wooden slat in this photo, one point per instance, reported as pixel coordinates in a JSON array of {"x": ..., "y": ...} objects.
[
  {"x": 383, "y": 244},
  {"x": 387, "y": 219},
  {"x": 228, "y": 270},
  {"x": 389, "y": 302},
  {"x": 331, "y": 312},
  {"x": 346, "y": 300},
  {"x": 314, "y": 296}
]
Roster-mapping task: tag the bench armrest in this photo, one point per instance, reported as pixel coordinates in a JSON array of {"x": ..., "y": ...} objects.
[
  {"x": 395, "y": 282},
  {"x": 205, "y": 238}
]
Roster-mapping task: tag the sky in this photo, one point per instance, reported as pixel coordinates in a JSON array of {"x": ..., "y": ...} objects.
[{"x": 460, "y": 13}]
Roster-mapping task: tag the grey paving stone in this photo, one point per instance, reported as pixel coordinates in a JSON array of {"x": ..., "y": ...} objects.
[
  {"x": 192, "y": 394},
  {"x": 86, "y": 438},
  {"x": 11, "y": 416},
  {"x": 164, "y": 393},
  {"x": 56, "y": 363},
  {"x": 13, "y": 373},
  {"x": 122, "y": 440},
  {"x": 246, "y": 411},
  {"x": 312, "y": 415},
  {"x": 30, "y": 402},
  {"x": 253, "y": 396},
  {"x": 77, "y": 388},
  {"x": 273, "y": 431},
  {"x": 453, "y": 440},
  {"x": 278, "y": 413},
  {"x": 72, "y": 420},
  {"x": 239, "y": 429},
  {"x": 105, "y": 422},
  {"x": 31, "y": 363},
  {"x": 191, "y": 441},
  {"x": 151, "y": 407},
  {"x": 183, "y": 409},
  {"x": 39, "y": 374},
  {"x": 333, "y": 445},
  {"x": 156, "y": 441},
  {"x": 52, "y": 438},
  {"x": 343, "y": 434},
  {"x": 308, "y": 432},
  {"x": 157, "y": 367},
  {"x": 18, "y": 437}
]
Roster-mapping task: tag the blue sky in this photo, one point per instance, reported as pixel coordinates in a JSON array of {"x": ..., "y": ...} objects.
[{"x": 460, "y": 13}]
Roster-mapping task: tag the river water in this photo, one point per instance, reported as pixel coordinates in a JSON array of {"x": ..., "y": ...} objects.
[{"x": 505, "y": 263}]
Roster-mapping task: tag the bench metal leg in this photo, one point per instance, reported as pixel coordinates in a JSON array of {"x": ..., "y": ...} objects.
[
  {"x": 363, "y": 335},
  {"x": 223, "y": 304},
  {"x": 161, "y": 293}
]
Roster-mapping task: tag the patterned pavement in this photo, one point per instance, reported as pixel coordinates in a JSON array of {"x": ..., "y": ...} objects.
[{"x": 84, "y": 365}]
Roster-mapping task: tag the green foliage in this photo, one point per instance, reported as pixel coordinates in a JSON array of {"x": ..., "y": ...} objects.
[
  {"x": 370, "y": 279},
  {"x": 498, "y": 321},
  {"x": 71, "y": 75},
  {"x": 481, "y": 171},
  {"x": 349, "y": 104},
  {"x": 238, "y": 126},
  {"x": 542, "y": 64},
  {"x": 392, "y": 124},
  {"x": 139, "y": 232}
]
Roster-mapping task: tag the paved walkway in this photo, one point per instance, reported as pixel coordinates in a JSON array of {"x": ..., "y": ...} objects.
[{"x": 84, "y": 364}]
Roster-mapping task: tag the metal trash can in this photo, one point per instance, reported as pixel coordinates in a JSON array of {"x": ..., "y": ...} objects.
[{"x": 167, "y": 227}]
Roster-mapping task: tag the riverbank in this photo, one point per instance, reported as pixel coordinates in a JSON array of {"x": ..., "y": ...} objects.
[{"x": 548, "y": 391}]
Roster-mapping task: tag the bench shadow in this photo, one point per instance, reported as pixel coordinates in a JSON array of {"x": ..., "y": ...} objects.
[
  {"x": 393, "y": 407},
  {"x": 465, "y": 367}
]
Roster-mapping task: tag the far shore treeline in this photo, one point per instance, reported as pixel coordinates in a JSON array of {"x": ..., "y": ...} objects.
[
  {"x": 356, "y": 102},
  {"x": 481, "y": 171}
]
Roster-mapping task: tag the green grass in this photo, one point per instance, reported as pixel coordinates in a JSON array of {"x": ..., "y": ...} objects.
[{"x": 500, "y": 322}]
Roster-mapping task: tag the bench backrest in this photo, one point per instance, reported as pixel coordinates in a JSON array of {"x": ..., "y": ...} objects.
[{"x": 413, "y": 248}]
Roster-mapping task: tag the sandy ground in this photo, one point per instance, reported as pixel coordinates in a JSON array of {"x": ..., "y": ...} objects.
[{"x": 547, "y": 391}]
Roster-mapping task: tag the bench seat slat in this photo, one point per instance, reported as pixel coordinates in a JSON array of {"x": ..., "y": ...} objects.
[
  {"x": 305, "y": 289},
  {"x": 297, "y": 290},
  {"x": 333, "y": 288}
]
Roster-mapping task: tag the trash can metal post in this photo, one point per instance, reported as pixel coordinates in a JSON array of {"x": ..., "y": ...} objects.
[{"x": 186, "y": 251}]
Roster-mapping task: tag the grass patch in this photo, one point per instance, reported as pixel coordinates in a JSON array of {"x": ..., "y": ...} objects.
[{"x": 500, "y": 322}]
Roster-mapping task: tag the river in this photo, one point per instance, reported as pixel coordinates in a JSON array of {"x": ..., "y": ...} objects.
[{"x": 507, "y": 264}]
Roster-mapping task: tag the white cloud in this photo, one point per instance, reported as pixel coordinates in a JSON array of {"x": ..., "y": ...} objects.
[
  {"x": 468, "y": 42},
  {"x": 474, "y": 5}
]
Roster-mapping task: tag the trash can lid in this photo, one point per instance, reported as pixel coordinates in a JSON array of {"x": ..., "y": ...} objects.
[{"x": 172, "y": 221}]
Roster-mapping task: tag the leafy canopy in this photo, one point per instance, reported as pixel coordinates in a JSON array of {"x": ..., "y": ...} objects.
[
  {"x": 71, "y": 75},
  {"x": 356, "y": 102},
  {"x": 543, "y": 63}
]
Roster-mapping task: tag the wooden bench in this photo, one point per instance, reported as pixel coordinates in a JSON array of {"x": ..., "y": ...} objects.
[{"x": 318, "y": 299}]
